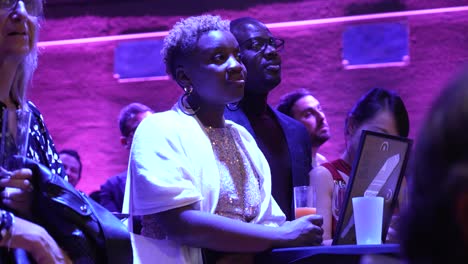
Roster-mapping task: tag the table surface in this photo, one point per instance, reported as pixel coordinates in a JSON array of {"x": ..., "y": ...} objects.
[{"x": 331, "y": 254}]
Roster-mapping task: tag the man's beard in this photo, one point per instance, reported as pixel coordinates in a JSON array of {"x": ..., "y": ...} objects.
[{"x": 319, "y": 140}]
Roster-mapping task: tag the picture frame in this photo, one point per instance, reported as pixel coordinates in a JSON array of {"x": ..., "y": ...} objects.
[{"x": 378, "y": 170}]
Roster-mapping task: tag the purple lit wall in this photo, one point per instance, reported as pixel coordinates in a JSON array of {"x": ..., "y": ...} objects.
[{"x": 80, "y": 100}]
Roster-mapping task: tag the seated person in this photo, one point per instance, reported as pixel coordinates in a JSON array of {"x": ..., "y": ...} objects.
[
  {"x": 18, "y": 60},
  {"x": 378, "y": 110},
  {"x": 305, "y": 108},
  {"x": 72, "y": 163},
  {"x": 32, "y": 226},
  {"x": 434, "y": 225},
  {"x": 111, "y": 194},
  {"x": 200, "y": 181},
  {"x": 96, "y": 196}
]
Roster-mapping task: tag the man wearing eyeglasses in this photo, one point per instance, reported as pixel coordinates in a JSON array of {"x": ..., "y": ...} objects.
[{"x": 283, "y": 140}]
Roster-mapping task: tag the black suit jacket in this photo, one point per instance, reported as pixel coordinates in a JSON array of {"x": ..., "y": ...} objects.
[
  {"x": 297, "y": 138},
  {"x": 112, "y": 192}
]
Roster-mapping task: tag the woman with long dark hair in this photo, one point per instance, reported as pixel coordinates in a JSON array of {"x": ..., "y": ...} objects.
[{"x": 378, "y": 110}]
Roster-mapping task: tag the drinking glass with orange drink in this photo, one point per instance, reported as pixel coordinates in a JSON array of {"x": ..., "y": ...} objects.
[{"x": 304, "y": 201}]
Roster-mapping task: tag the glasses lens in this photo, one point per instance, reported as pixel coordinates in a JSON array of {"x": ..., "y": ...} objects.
[
  {"x": 33, "y": 7},
  {"x": 278, "y": 44},
  {"x": 256, "y": 44},
  {"x": 260, "y": 44}
]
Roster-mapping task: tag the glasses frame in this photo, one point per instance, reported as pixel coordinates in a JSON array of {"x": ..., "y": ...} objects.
[
  {"x": 276, "y": 43},
  {"x": 34, "y": 11}
]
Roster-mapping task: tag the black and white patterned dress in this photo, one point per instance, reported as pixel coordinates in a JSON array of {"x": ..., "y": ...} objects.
[{"x": 41, "y": 147}]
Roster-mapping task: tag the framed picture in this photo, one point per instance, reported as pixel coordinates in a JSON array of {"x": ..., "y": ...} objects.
[{"x": 378, "y": 170}]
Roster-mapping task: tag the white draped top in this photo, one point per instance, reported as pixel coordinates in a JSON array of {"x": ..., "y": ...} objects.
[{"x": 172, "y": 164}]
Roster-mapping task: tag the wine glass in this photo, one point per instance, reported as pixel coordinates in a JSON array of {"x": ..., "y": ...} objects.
[
  {"x": 338, "y": 197},
  {"x": 14, "y": 137}
]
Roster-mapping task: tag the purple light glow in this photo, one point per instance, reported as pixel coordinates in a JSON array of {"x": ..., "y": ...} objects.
[{"x": 279, "y": 25}]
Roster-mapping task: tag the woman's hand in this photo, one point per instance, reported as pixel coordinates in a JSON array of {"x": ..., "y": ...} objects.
[
  {"x": 305, "y": 231},
  {"x": 36, "y": 241},
  {"x": 17, "y": 192}
]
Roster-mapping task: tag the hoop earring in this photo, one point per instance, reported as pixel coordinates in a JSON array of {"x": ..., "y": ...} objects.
[
  {"x": 233, "y": 106},
  {"x": 184, "y": 105}
]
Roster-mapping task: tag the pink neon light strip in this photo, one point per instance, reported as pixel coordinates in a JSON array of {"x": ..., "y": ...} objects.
[
  {"x": 280, "y": 25},
  {"x": 367, "y": 17},
  {"x": 142, "y": 79},
  {"x": 376, "y": 65}
]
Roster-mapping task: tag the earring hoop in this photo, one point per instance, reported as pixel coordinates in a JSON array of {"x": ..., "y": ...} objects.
[
  {"x": 184, "y": 105},
  {"x": 233, "y": 106}
]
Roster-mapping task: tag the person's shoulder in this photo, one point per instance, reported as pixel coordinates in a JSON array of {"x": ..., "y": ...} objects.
[
  {"x": 238, "y": 116},
  {"x": 320, "y": 175},
  {"x": 115, "y": 179},
  {"x": 321, "y": 169},
  {"x": 228, "y": 114},
  {"x": 320, "y": 159},
  {"x": 36, "y": 114},
  {"x": 33, "y": 108},
  {"x": 31, "y": 105},
  {"x": 294, "y": 127},
  {"x": 163, "y": 121},
  {"x": 236, "y": 126},
  {"x": 122, "y": 175},
  {"x": 241, "y": 130},
  {"x": 159, "y": 116},
  {"x": 168, "y": 126},
  {"x": 287, "y": 119}
]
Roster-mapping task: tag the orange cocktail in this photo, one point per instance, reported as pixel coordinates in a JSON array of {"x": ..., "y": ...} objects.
[{"x": 301, "y": 211}]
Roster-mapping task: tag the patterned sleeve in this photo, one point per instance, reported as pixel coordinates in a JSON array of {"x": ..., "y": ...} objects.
[{"x": 41, "y": 146}]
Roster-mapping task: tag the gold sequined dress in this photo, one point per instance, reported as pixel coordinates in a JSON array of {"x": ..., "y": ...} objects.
[{"x": 239, "y": 196}]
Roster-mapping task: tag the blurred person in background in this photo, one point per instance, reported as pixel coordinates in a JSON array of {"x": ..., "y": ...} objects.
[
  {"x": 112, "y": 192},
  {"x": 305, "y": 108},
  {"x": 378, "y": 110},
  {"x": 72, "y": 163},
  {"x": 434, "y": 225}
]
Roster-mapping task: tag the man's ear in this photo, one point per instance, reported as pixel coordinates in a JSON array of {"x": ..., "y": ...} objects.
[
  {"x": 181, "y": 77},
  {"x": 350, "y": 127},
  {"x": 124, "y": 142},
  {"x": 461, "y": 213}
]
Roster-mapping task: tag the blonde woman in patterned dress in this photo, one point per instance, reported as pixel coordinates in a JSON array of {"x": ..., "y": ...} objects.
[
  {"x": 198, "y": 180},
  {"x": 19, "y": 24}
]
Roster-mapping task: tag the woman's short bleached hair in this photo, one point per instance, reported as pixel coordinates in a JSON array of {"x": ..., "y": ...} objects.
[{"x": 183, "y": 37}]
